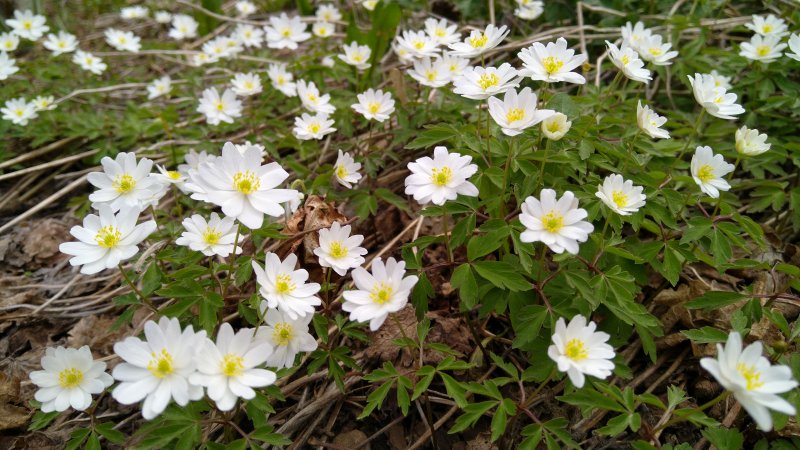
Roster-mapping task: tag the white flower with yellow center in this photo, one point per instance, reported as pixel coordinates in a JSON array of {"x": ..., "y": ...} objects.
[
  {"x": 338, "y": 250},
  {"x": 441, "y": 178},
  {"x": 417, "y": 44},
  {"x": 323, "y": 29},
  {"x": 307, "y": 127},
  {"x": 8, "y": 66},
  {"x": 634, "y": 35},
  {"x": 249, "y": 35},
  {"x": 380, "y": 293},
  {"x": 312, "y": 100},
  {"x": 556, "y": 126},
  {"x": 369, "y": 5},
  {"x": 794, "y": 46},
  {"x": 70, "y": 378},
  {"x": 552, "y": 63},
  {"x": 442, "y": 31},
  {"x": 287, "y": 336},
  {"x": 106, "y": 239},
  {"x": 721, "y": 80},
  {"x": 282, "y": 79},
  {"x": 285, "y": 32},
  {"x": 356, "y": 55},
  {"x": 28, "y": 25},
  {"x": 159, "y": 87},
  {"x": 328, "y": 13},
  {"x": 374, "y": 105},
  {"x": 62, "y": 42},
  {"x": 479, "y": 42},
  {"x": 709, "y": 170},
  {"x": 183, "y": 27},
  {"x": 133, "y": 12},
  {"x": 621, "y": 195},
  {"x": 124, "y": 41},
  {"x": 653, "y": 49},
  {"x": 768, "y": 26},
  {"x": 245, "y": 8},
  {"x": 517, "y": 112},
  {"x": 345, "y": 170},
  {"x": 716, "y": 100},
  {"x": 558, "y": 223},
  {"x": 124, "y": 183},
  {"x": 168, "y": 177},
  {"x": 163, "y": 16},
  {"x": 579, "y": 350},
  {"x": 627, "y": 60},
  {"x": 158, "y": 368},
  {"x": 479, "y": 83},
  {"x": 44, "y": 103},
  {"x": 455, "y": 65},
  {"x": 19, "y": 111},
  {"x": 244, "y": 188},
  {"x": 763, "y": 48},
  {"x": 8, "y": 42},
  {"x": 88, "y": 61},
  {"x": 246, "y": 84},
  {"x": 215, "y": 237},
  {"x": 751, "y": 378},
  {"x": 650, "y": 122},
  {"x": 431, "y": 73},
  {"x": 285, "y": 288},
  {"x": 228, "y": 368},
  {"x": 529, "y": 9},
  {"x": 216, "y": 108},
  {"x": 750, "y": 142}
]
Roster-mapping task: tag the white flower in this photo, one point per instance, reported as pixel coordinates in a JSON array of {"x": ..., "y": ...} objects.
[
  {"x": 654, "y": 50},
  {"x": 356, "y": 55},
  {"x": 246, "y": 84},
  {"x": 480, "y": 83},
  {"x": 167, "y": 177},
  {"x": 28, "y": 25},
  {"x": 552, "y": 63},
  {"x": 517, "y": 112},
  {"x": 222, "y": 47},
  {"x": 219, "y": 109},
  {"x": 307, "y": 127},
  {"x": 124, "y": 183},
  {"x": 529, "y": 10},
  {"x": 763, "y": 48},
  {"x": 769, "y": 26},
  {"x": 312, "y": 100},
  {"x": 288, "y": 337},
  {"x": 338, "y": 250},
  {"x": 627, "y": 60},
  {"x": 63, "y": 42},
  {"x": 794, "y": 46},
  {"x": 228, "y": 368},
  {"x": 369, "y": 5},
  {"x": 430, "y": 73},
  {"x": 750, "y": 142},
  {"x": 243, "y": 187},
  {"x": 200, "y": 58},
  {"x": 328, "y": 13},
  {"x": 282, "y": 80},
  {"x": 123, "y": 40},
  {"x": 44, "y": 103},
  {"x": 88, "y": 61},
  {"x": 19, "y": 111},
  {"x": 245, "y": 8},
  {"x": 650, "y": 122},
  {"x": 379, "y": 294},
  {"x": 194, "y": 160},
  {"x": 285, "y": 32},
  {"x": 579, "y": 350},
  {"x": 8, "y": 42},
  {"x": 455, "y": 65},
  {"x": 372, "y": 104},
  {"x": 442, "y": 178},
  {"x": 133, "y": 12},
  {"x": 159, "y": 87},
  {"x": 69, "y": 378},
  {"x": 417, "y": 44},
  {"x": 479, "y": 42},
  {"x": 215, "y": 237},
  {"x": 183, "y": 27},
  {"x": 323, "y": 29},
  {"x": 441, "y": 31},
  {"x": 709, "y": 170},
  {"x": 249, "y": 35},
  {"x": 327, "y": 61},
  {"x": 163, "y": 16},
  {"x": 634, "y": 35},
  {"x": 242, "y": 148},
  {"x": 558, "y": 223},
  {"x": 345, "y": 171},
  {"x": 8, "y": 66},
  {"x": 285, "y": 288},
  {"x": 402, "y": 54},
  {"x": 715, "y": 99},
  {"x": 106, "y": 240},
  {"x": 556, "y": 126},
  {"x": 721, "y": 80},
  {"x": 158, "y": 369},
  {"x": 620, "y": 195}
]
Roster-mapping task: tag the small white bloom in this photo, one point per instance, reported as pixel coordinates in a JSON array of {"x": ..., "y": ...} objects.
[
  {"x": 627, "y": 60},
  {"x": 194, "y": 160},
  {"x": 200, "y": 58},
  {"x": 282, "y": 80},
  {"x": 218, "y": 108},
  {"x": 312, "y": 100},
  {"x": 345, "y": 171},
  {"x": 222, "y": 47},
  {"x": 750, "y": 142},
  {"x": 768, "y": 26},
  {"x": 752, "y": 379},
  {"x": 327, "y": 61},
  {"x": 338, "y": 250},
  {"x": 529, "y": 10},
  {"x": 124, "y": 183},
  {"x": 430, "y": 73},
  {"x": 44, "y": 103},
  {"x": 442, "y": 178},
  {"x": 323, "y": 29},
  {"x": 215, "y": 237},
  {"x": 70, "y": 378},
  {"x": 88, "y": 61},
  {"x": 558, "y": 223},
  {"x": 517, "y": 112},
  {"x": 579, "y": 350},
  {"x": 552, "y": 63},
  {"x": 721, "y": 80},
  {"x": 123, "y": 40},
  {"x": 106, "y": 240},
  {"x": 8, "y": 66},
  {"x": 417, "y": 44},
  {"x": 285, "y": 32},
  {"x": 19, "y": 111},
  {"x": 709, "y": 170},
  {"x": 8, "y": 42},
  {"x": 380, "y": 293},
  {"x": 328, "y": 13},
  {"x": 28, "y": 25},
  {"x": 245, "y": 8},
  {"x": 479, "y": 42},
  {"x": 356, "y": 55},
  {"x": 307, "y": 127},
  {"x": 650, "y": 122},
  {"x": 62, "y": 42},
  {"x": 455, "y": 65},
  {"x": 168, "y": 177},
  {"x": 288, "y": 337},
  {"x": 369, "y": 5},
  {"x": 285, "y": 288},
  {"x": 163, "y": 16},
  {"x": 556, "y": 126},
  {"x": 183, "y": 27},
  {"x": 480, "y": 83},
  {"x": 654, "y": 50},
  {"x": 715, "y": 99},
  {"x": 242, "y": 148},
  {"x": 372, "y": 104},
  {"x": 249, "y": 35},
  {"x": 159, "y": 87},
  {"x": 246, "y": 84},
  {"x": 442, "y": 31},
  {"x": 158, "y": 369},
  {"x": 621, "y": 195},
  {"x": 763, "y": 48},
  {"x": 794, "y": 46},
  {"x": 133, "y": 12},
  {"x": 634, "y": 35}
]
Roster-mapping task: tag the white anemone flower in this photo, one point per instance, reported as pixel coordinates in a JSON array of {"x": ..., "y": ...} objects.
[
  {"x": 441, "y": 178},
  {"x": 8, "y": 66},
  {"x": 307, "y": 127},
  {"x": 328, "y": 13},
  {"x": 558, "y": 223},
  {"x": 168, "y": 177},
  {"x": 286, "y": 288},
  {"x": 763, "y": 48},
  {"x": 159, "y": 87},
  {"x": 529, "y": 9},
  {"x": 312, "y": 100},
  {"x": 213, "y": 237},
  {"x": 163, "y": 16},
  {"x": 249, "y": 35},
  {"x": 282, "y": 79},
  {"x": 417, "y": 44},
  {"x": 323, "y": 29},
  {"x": 374, "y": 105},
  {"x": 579, "y": 350},
  {"x": 768, "y": 26},
  {"x": 716, "y": 100},
  {"x": 750, "y": 142},
  {"x": 219, "y": 108},
  {"x": 751, "y": 378},
  {"x": 124, "y": 183},
  {"x": 552, "y": 63},
  {"x": 285, "y": 32},
  {"x": 107, "y": 239},
  {"x": 479, "y": 42},
  {"x": 517, "y": 112},
  {"x": 709, "y": 170},
  {"x": 431, "y": 73},
  {"x": 380, "y": 293},
  {"x": 124, "y": 41},
  {"x": 627, "y": 60},
  {"x": 245, "y": 8},
  {"x": 246, "y": 84},
  {"x": 345, "y": 170},
  {"x": 479, "y": 83},
  {"x": 455, "y": 65},
  {"x": 183, "y": 27},
  {"x": 369, "y": 5},
  {"x": 8, "y": 42},
  {"x": 634, "y": 34},
  {"x": 556, "y": 126},
  {"x": 650, "y": 122},
  {"x": 133, "y": 12},
  {"x": 338, "y": 250},
  {"x": 19, "y": 111},
  {"x": 60, "y": 43},
  {"x": 44, "y": 103},
  {"x": 653, "y": 49},
  {"x": 442, "y": 31},
  {"x": 621, "y": 195},
  {"x": 794, "y": 46},
  {"x": 69, "y": 378},
  {"x": 88, "y": 61},
  {"x": 287, "y": 336},
  {"x": 721, "y": 80},
  {"x": 28, "y": 25},
  {"x": 158, "y": 368},
  {"x": 356, "y": 55}
]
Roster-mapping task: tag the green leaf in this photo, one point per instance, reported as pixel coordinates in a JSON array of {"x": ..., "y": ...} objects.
[
  {"x": 472, "y": 413},
  {"x": 151, "y": 280},
  {"x": 527, "y": 322},
  {"x": 433, "y": 134},
  {"x": 714, "y": 300},
  {"x": 724, "y": 438},
  {"x": 455, "y": 390},
  {"x": 588, "y": 398},
  {"x": 42, "y": 419},
  {"x": 463, "y": 279},
  {"x": 267, "y": 434},
  {"x": 107, "y": 431},
  {"x": 502, "y": 275},
  {"x": 706, "y": 335}
]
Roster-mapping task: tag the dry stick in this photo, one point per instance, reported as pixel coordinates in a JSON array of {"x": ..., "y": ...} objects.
[
  {"x": 55, "y": 163},
  {"x": 58, "y": 294},
  {"x": 38, "y": 152},
  {"x": 44, "y": 203}
]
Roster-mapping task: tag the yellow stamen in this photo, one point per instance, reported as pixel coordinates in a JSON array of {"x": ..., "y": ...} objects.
[
  {"x": 232, "y": 365},
  {"x": 174, "y": 174},
  {"x": 123, "y": 183},
  {"x": 284, "y": 284},
  {"x": 283, "y": 333},
  {"x": 441, "y": 177},
  {"x": 314, "y": 127},
  {"x": 576, "y": 350},
  {"x": 108, "y": 236},
  {"x": 70, "y": 378},
  {"x": 161, "y": 365},
  {"x": 656, "y": 51},
  {"x": 478, "y": 41},
  {"x": 211, "y": 236},
  {"x": 553, "y": 221},
  {"x": 488, "y": 80},
  {"x": 246, "y": 182},
  {"x": 374, "y": 107},
  {"x": 751, "y": 375},
  {"x": 338, "y": 250},
  {"x": 626, "y": 59},
  {"x": 552, "y": 64},
  {"x": 620, "y": 199},
  {"x": 381, "y": 293},
  {"x": 515, "y": 114},
  {"x": 341, "y": 171},
  {"x": 763, "y": 50},
  {"x": 705, "y": 173}
]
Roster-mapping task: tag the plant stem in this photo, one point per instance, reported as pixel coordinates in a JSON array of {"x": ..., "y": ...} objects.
[
  {"x": 540, "y": 183},
  {"x": 730, "y": 176},
  {"x": 695, "y": 133},
  {"x": 232, "y": 262},
  {"x": 446, "y": 226},
  {"x": 701, "y": 408},
  {"x": 136, "y": 290},
  {"x": 511, "y": 149}
]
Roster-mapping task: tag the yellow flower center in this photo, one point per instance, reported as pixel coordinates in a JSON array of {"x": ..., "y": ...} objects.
[
  {"x": 287, "y": 32},
  {"x": 61, "y": 44},
  {"x": 174, "y": 174},
  {"x": 515, "y": 114},
  {"x": 70, "y": 378},
  {"x": 108, "y": 236},
  {"x": 767, "y": 28},
  {"x": 248, "y": 85},
  {"x": 284, "y": 284},
  {"x": 161, "y": 364},
  {"x": 341, "y": 171},
  {"x": 19, "y": 112},
  {"x": 338, "y": 249},
  {"x": 89, "y": 60},
  {"x": 718, "y": 100},
  {"x": 431, "y": 75},
  {"x": 374, "y": 107},
  {"x": 706, "y": 173},
  {"x": 478, "y": 41},
  {"x": 419, "y": 45},
  {"x": 357, "y": 57},
  {"x": 27, "y": 25},
  {"x": 488, "y": 80},
  {"x": 620, "y": 199},
  {"x": 553, "y": 126},
  {"x": 314, "y": 127},
  {"x": 311, "y": 97},
  {"x": 9, "y": 44},
  {"x": 441, "y": 177},
  {"x": 122, "y": 40},
  {"x": 280, "y": 80},
  {"x": 751, "y": 375},
  {"x": 246, "y": 182},
  {"x": 440, "y": 32},
  {"x": 576, "y": 350},
  {"x": 626, "y": 59},
  {"x": 183, "y": 28},
  {"x": 763, "y": 50},
  {"x": 211, "y": 236},
  {"x": 283, "y": 333},
  {"x": 552, "y": 64},
  {"x": 232, "y": 365},
  {"x": 656, "y": 51},
  {"x": 123, "y": 183},
  {"x": 553, "y": 221},
  {"x": 381, "y": 293}
]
